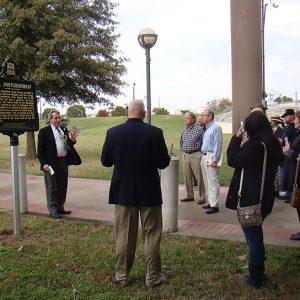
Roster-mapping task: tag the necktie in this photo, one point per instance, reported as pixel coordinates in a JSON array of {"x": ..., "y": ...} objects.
[{"x": 62, "y": 137}]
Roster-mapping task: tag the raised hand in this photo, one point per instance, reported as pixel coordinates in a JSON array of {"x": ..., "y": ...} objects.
[{"x": 74, "y": 133}]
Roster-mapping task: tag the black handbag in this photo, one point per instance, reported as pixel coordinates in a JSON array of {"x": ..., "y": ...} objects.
[{"x": 251, "y": 215}]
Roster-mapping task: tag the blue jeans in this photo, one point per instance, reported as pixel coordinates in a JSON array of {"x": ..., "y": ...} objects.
[{"x": 255, "y": 240}]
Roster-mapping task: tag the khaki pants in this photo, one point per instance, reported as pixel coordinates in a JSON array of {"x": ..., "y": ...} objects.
[
  {"x": 211, "y": 181},
  {"x": 191, "y": 165},
  {"x": 126, "y": 227}
]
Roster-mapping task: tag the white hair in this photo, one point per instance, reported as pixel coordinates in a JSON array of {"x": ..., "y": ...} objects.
[
  {"x": 51, "y": 112},
  {"x": 136, "y": 107}
]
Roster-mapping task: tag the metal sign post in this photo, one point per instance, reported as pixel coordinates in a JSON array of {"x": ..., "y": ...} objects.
[
  {"x": 14, "y": 143},
  {"x": 18, "y": 114}
]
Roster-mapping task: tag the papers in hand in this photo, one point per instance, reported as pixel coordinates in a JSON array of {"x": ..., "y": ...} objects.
[{"x": 51, "y": 171}]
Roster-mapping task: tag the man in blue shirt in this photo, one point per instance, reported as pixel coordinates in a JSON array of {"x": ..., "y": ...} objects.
[{"x": 211, "y": 160}]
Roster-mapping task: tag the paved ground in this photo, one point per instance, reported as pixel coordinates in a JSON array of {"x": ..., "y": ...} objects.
[{"x": 87, "y": 198}]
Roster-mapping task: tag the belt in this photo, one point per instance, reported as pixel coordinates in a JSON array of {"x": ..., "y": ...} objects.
[
  {"x": 190, "y": 152},
  {"x": 61, "y": 157},
  {"x": 206, "y": 153}
]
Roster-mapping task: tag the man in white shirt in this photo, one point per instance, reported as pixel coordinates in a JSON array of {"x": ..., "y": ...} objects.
[{"x": 56, "y": 152}]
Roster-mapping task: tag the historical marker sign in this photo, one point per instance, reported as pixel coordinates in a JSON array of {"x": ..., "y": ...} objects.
[{"x": 18, "y": 104}]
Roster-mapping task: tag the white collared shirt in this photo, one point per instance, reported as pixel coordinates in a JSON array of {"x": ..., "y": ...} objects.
[{"x": 60, "y": 146}]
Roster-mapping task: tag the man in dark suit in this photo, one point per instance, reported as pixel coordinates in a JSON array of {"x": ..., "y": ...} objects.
[
  {"x": 56, "y": 152},
  {"x": 136, "y": 150}
]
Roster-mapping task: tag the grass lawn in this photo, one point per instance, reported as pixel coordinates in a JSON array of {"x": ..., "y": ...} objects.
[
  {"x": 74, "y": 260},
  {"x": 90, "y": 142}
]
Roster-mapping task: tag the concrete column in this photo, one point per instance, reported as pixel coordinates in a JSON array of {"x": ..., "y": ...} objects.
[
  {"x": 169, "y": 188},
  {"x": 246, "y": 55}
]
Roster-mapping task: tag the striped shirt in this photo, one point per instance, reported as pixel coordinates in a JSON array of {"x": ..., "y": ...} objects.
[{"x": 191, "y": 139}]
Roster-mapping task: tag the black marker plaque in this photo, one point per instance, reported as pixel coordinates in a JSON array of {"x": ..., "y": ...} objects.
[{"x": 18, "y": 104}]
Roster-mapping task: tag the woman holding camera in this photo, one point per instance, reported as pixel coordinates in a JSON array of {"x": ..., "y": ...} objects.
[{"x": 249, "y": 156}]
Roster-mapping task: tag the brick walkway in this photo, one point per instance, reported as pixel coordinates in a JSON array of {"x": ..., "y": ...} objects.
[{"x": 273, "y": 235}]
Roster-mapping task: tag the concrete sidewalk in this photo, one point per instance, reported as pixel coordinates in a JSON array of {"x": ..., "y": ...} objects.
[{"x": 87, "y": 198}]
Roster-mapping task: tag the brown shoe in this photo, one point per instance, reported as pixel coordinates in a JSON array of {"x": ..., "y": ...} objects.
[
  {"x": 187, "y": 199},
  {"x": 162, "y": 280},
  {"x": 201, "y": 201},
  {"x": 122, "y": 283}
]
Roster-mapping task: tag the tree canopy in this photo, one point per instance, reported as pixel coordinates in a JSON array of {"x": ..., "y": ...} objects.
[
  {"x": 283, "y": 99},
  {"x": 102, "y": 113},
  {"x": 219, "y": 105},
  {"x": 118, "y": 111},
  {"x": 68, "y": 47},
  {"x": 76, "y": 111},
  {"x": 160, "y": 111}
]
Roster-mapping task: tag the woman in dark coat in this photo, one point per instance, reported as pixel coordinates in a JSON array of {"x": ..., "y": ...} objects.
[
  {"x": 291, "y": 161},
  {"x": 249, "y": 155}
]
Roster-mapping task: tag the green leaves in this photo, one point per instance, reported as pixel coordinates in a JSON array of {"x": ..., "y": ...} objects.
[{"x": 67, "y": 46}]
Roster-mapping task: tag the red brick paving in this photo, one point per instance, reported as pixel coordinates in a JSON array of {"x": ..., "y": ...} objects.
[{"x": 273, "y": 235}]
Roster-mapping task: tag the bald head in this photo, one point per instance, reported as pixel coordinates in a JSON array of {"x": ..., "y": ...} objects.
[
  {"x": 257, "y": 109},
  {"x": 136, "y": 109}
]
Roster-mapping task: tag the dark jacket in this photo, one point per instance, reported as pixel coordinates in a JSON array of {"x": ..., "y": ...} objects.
[
  {"x": 279, "y": 133},
  {"x": 47, "y": 153},
  {"x": 250, "y": 158},
  {"x": 290, "y": 163},
  {"x": 290, "y": 132},
  {"x": 136, "y": 150}
]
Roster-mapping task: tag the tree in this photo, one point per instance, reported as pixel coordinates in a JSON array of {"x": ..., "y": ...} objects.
[
  {"x": 118, "y": 111},
  {"x": 283, "y": 99},
  {"x": 219, "y": 105},
  {"x": 102, "y": 113},
  {"x": 76, "y": 111},
  {"x": 160, "y": 111},
  {"x": 68, "y": 47}
]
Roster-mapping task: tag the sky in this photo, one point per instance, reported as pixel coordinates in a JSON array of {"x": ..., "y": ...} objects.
[{"x": 191, "y": 61}]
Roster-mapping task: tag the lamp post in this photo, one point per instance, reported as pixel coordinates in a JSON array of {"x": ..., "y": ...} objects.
[
  {"x": 133, "y": 91},
  {"x": 147, "y": 39},
  {"x": 263, "y": 21}
]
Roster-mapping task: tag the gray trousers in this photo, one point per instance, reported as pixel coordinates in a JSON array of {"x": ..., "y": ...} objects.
[
  {"x": 126, "y": 227},
  {"x": 56, "y": 186}
]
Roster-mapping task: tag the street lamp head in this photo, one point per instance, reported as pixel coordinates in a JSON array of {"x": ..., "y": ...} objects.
[{"x": 147, "y": 38}]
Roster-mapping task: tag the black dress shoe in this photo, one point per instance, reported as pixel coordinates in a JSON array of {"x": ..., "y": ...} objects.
[
  {"x": 287, "y": 200},
  {"x": 65, "y": 212},
  {"x": 206, "y": 206},
  {"x": 55, "y": 216},
  {"x": 295, "y": 236},
  {"x": 283, "y": 197},
  {"x": 187, "y": 199},
  {"x": 212, "y": 210}
]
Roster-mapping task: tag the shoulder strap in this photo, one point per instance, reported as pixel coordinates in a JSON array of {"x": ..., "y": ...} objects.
[
  {"x": 240, "y": 188},
  {"x": 263, "y": 173}
]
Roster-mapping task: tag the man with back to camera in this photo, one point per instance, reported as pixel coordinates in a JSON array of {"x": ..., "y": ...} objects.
[
  {"x": 211, "y": 149},
  {"x": 136, "y": 150},
  {"x": 56, "y": 152},
  {"x": 190, "y": 146}
]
